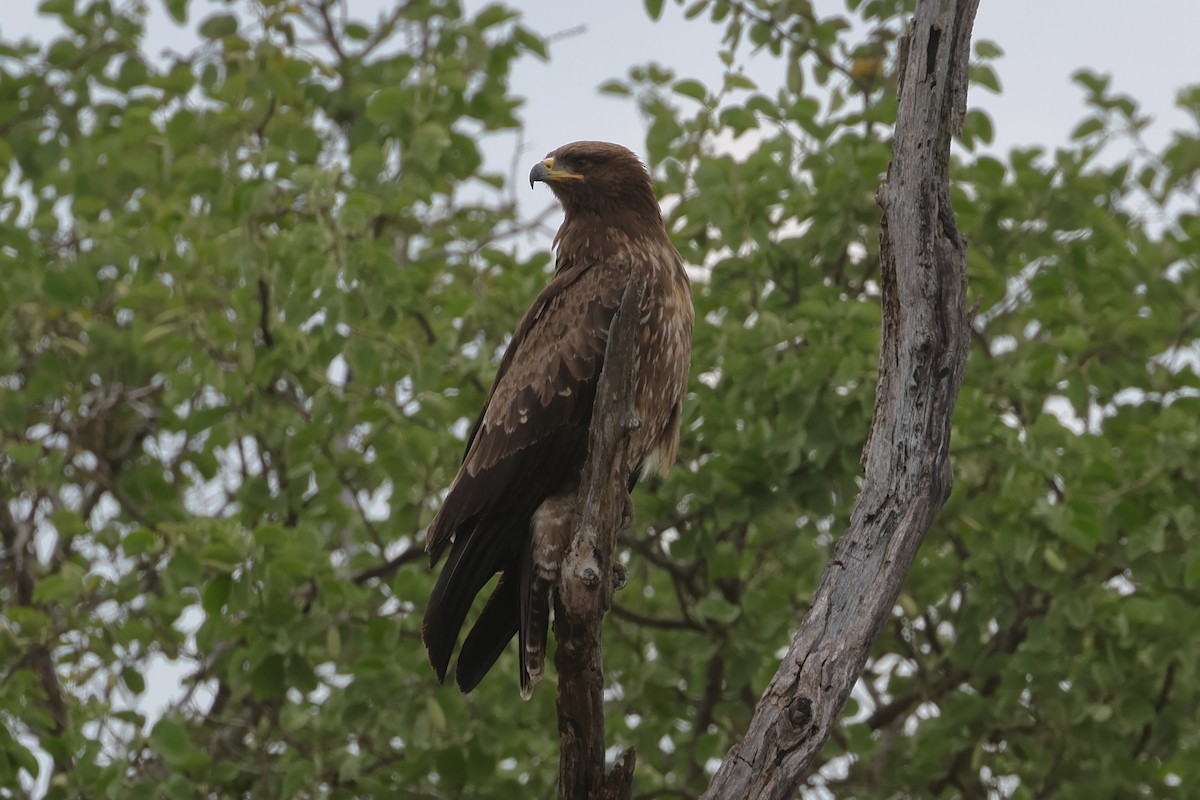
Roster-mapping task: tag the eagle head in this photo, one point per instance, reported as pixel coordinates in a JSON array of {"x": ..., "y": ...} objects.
[{"x": 597, "y": 177}]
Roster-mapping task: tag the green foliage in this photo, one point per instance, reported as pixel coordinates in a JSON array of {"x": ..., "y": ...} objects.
[
  {"x": 248, "y": 294},
  {"x": 252, "y": 298}
]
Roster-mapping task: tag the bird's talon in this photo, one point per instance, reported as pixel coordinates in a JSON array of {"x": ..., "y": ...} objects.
[{"x": 620, "y": 576}]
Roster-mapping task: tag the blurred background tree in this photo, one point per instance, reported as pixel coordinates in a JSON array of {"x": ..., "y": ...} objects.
[{"x": 253, "y": 294}]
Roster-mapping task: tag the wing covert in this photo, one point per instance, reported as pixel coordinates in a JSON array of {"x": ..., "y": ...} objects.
[{"x": 532, "y": 431}]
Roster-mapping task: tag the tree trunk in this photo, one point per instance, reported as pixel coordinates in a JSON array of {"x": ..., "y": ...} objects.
[{"x": 926, "y": 332}]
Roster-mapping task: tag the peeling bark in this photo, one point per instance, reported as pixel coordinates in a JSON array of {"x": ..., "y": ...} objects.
[{"x": 926, "y": 336}]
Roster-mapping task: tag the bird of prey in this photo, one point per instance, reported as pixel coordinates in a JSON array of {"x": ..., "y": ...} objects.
[{"x": 510, "y": 508}]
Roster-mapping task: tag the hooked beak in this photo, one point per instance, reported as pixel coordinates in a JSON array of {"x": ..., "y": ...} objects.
[{"x": 545, "y": 171}]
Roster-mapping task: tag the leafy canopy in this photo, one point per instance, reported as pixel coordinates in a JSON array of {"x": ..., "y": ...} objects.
[{"x": 253, "y": 295}]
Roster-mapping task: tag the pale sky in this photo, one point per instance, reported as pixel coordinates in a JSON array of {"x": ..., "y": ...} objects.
[{"x": 1148, "y": 47}]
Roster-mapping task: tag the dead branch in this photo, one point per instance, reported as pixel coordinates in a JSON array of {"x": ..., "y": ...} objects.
[
  {"x": 926, "y": 336},
  {"x": 585, "y": 586}
]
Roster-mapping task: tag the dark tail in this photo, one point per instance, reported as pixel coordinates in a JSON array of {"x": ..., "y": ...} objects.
[
  {"x": 519, "y": 605},
  {"x": 473, "y": 560},
  {"x": 491, "y": 633}
]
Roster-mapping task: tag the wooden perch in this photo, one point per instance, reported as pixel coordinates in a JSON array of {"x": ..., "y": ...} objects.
[
  {"x": 585, "y": 585},
  {"x": 922, "y": 357}
]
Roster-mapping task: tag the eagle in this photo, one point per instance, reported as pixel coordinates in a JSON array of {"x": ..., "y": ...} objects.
[{"x": 510, "y": 508}]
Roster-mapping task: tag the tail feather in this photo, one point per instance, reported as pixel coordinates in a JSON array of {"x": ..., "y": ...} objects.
[
  {"x": 480, "y": 546},
  {"x": 491, "y": 633},
  {"x": 520, "y": 604},
  {"x": 472, "y": 563}
]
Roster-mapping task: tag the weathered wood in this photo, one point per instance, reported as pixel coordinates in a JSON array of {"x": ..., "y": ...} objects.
[
  {"x": 922, "y": 357},
  {"x": 585, "y": 584}
]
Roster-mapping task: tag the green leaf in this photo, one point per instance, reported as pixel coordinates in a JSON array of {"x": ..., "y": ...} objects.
[
  {"x": 1088, "y": 127},
  {"x": 1096, "y": 83},
  {"x": 178, "y": 10},
  {"x": 333, "y": 642},
  {"x": 300, "y": 674},
  {"x": 795, "y": 77},
  {"x": 1191, "y": 575},
  {"x": 691, "y": 88},
  {"x": 452, "y": 762},
  {"x": 63, "y": 289},
  {"x": 218, "y": 26},
  {"x": 530, "y": 41},
  {"x": 63, "y": 587},
  {"x": 738, "y": 80},
  {"x": 1053, "y": 559},
  {"x": 985, "y": 76},
  {"x": 386, "y": 105},
  {"x": 298, "y": 777},
  {"x": 132, "y": 73},
  {"x": 718, "y": 610},
  {"x": 133, "y": 680},
  {"x": 23, "y": 758},
  {"x": 493, "y": 15},
  {"x": 267, "y": 679},
  {"x": 171, "y": 741},
  {"x": 56, "y": 7},
  {"x": 615, "y": 87},
  {"x": 220, "y": 556},
  {"x": 985, "y": 48},
  {"x": 654, "y": 8},
  {"x": 738, "y": 119},
  {"x": 216, "y": 593},
  {"x": 139, "y": 542},
  {"x": 178, "y": 787},
  {"x": 144, "y": 790},
  {"x": 437, "y": 714}
]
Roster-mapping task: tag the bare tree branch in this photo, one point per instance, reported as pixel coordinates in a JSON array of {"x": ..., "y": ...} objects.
[
  {"x": 585, "y": 586},
  {"x": 388, "y": 568},
  {"x": 926, "y": 336}
]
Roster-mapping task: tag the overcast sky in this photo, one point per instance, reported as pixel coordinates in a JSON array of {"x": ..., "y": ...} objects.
[{"x": 1149, "y": 48}]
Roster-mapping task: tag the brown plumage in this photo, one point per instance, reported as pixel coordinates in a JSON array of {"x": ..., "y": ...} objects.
[{"x": 509, "y": 510}]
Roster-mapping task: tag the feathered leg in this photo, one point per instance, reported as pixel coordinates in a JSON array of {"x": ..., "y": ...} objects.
[{"x": 550, "y": 535}]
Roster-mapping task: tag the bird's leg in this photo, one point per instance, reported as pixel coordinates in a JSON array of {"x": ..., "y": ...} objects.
[
  {"x": 550, "y": 532},
  {"x": 533, "y": 660},
  {"x": 620, "y": 574},
  {"x": 626, "y": 511}
]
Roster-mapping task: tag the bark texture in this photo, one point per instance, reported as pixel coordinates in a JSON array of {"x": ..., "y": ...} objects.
[
  {"x": 585, "y": 585},
  {"x": 926, "y": 331}
]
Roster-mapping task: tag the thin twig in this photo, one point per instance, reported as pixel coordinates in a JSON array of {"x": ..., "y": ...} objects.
[{"x": 389, "y": 567}]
